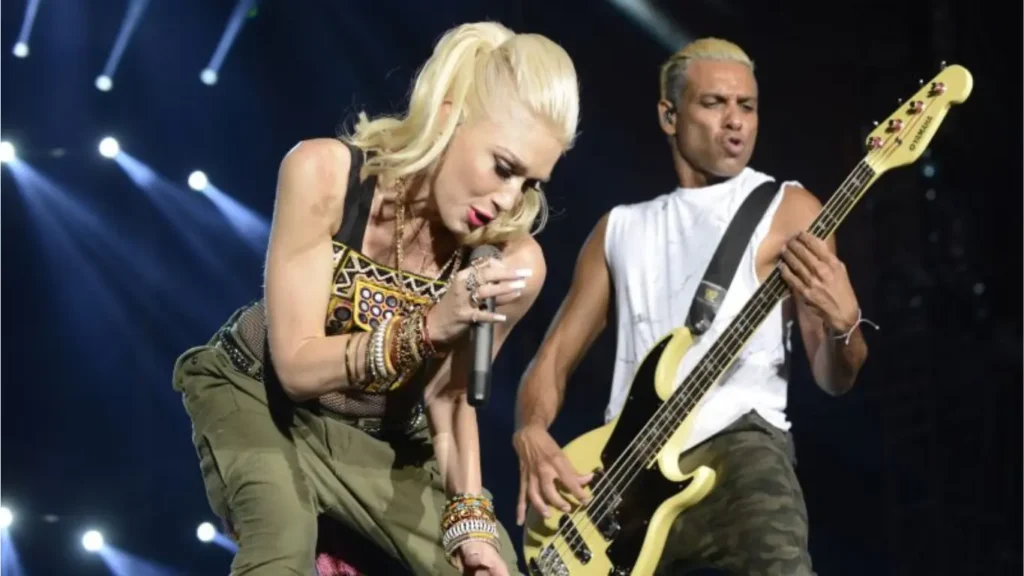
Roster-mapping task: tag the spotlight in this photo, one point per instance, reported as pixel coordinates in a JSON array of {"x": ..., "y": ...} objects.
[
  {"x": 197, "y": 181},
  {"x": 6, "y": 517},
  {"x": 208, "y": 76},
  {"x": 104, "y": 83},
  {"x": 92, "y": 541},
  {"x": 109, "y": 147},
  {"x": 206, "y": 532},
  {"x": 7, "y": 152},
  {"x": 20, "y": 50}
]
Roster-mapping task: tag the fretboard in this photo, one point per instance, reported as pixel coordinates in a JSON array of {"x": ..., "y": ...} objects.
[{"x": 727, "y": 347}]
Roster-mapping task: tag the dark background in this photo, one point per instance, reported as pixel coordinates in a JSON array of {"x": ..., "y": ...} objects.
[{"x": 916, "y": 471}]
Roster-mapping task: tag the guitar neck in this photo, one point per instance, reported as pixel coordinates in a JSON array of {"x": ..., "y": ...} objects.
[{"x": 727, "y": 347}]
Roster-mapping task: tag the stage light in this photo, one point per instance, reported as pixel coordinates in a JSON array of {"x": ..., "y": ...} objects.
[
  {"x": 208, "y": 76},
  {"x": 20, "y": 50},
  {"x": 104, "y": 83},
  {"x": 206, "y": 532},
  {"x": 197, "y": 181},
  {"x": 109, "y": 147},
  {"x": 6, "y": 517},
  {"x": 7, "y": 152},
  {"x": 92, "y": 541}
]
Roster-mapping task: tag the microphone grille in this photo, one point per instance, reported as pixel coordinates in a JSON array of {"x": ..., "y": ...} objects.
[{"x": 485, "y": 251}]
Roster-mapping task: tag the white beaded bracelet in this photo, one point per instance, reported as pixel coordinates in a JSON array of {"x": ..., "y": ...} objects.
[{"x": 474, "y": 530}]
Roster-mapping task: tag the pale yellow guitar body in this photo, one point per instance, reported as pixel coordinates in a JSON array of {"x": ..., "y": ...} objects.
[
  {"x": 585, "y": 454},
  {"x": 579, "y": 548}
]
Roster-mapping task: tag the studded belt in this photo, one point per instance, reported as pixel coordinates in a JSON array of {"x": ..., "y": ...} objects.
[{"x": 241, "y": 359}]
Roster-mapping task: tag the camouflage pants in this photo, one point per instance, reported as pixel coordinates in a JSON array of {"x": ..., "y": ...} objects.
[{"x": 754, "y": 522}]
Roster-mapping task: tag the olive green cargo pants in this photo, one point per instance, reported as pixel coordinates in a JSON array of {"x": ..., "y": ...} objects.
[{"x": 271, "y": 487}]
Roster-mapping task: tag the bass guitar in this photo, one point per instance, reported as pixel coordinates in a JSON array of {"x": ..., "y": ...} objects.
[{"x": 638, "y": 489}]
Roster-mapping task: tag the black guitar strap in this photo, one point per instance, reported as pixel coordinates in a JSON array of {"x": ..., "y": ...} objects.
[{"x": 720, "y": 272}]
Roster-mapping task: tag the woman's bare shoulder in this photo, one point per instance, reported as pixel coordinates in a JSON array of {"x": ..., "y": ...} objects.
[{"x": 314, "y": 174}]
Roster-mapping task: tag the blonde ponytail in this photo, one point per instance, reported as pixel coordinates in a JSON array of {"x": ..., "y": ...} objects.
[{"x": 474, "y": 66}]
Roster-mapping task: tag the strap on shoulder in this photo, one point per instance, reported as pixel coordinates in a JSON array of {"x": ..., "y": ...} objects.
[
  {"x": 722, "y": 269},
  {"x": 358, "y": 198}
]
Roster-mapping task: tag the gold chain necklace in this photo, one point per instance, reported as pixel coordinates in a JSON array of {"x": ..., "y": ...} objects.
[{"x": 456, "y": 257}]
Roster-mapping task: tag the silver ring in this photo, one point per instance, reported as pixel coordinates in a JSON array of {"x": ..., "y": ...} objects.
[
  {"x": 471, "y": 282},
  {"x": 474, "y": 298}
]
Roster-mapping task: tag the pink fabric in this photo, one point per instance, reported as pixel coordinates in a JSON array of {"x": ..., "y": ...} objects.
[{"x": 327, "y": 565}]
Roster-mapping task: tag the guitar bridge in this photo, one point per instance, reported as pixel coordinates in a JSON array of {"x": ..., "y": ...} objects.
[{"x": 547, "y": 563}]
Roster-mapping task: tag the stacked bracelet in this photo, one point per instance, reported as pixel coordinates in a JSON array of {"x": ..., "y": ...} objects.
[
  {"x": 397, "y": 348},
  {"x": 468, "y": 518},
  {"x": 382, "y": 373}
]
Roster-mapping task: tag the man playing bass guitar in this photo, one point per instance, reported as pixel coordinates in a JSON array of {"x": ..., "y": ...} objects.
[{"x": 654, "y": 253}]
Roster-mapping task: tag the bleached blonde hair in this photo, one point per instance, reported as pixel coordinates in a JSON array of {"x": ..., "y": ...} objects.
[
  {"x": 477, "y": 67},
  {"x": 673, "y": 71}
]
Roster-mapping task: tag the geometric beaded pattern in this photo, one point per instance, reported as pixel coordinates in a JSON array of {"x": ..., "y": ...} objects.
[{"x": 365, "y": 292}]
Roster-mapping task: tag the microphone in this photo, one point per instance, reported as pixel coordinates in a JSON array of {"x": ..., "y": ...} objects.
[{"x": 481, "y": 336}]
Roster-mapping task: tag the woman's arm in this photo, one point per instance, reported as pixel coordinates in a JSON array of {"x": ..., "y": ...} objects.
[
  {"x": 312, "y": 183},
  {"x": 453, "y": 419}
]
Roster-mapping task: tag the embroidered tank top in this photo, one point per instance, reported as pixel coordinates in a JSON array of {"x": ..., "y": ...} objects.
[{"x": 364, "y": 292}]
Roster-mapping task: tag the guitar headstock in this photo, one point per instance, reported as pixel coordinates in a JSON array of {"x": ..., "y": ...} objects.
[{"x": 904, "y": 135}]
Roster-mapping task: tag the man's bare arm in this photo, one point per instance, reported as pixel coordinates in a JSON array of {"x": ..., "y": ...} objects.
[
  {"x": 580, "y": 320},
  {"x": 826, "y": 304}
]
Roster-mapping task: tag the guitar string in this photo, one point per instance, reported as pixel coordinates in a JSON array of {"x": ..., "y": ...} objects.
[
  {"x": 842, "y": 202},
  {"x": 845, "y": 203},
  {"x": 598, "y": 503},
  {"x": 612, "y": 481}
]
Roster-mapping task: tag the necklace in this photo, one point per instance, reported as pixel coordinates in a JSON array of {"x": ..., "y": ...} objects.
[{"x": 455, "y": 259}]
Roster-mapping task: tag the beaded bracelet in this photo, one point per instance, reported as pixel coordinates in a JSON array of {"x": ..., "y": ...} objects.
[
  {"x": 397, "y": 348},
  {"x": 381, "y": 372},
  {"x": 469, "y": 531},
  {"x": 464, "y": 506},
  {"x": 468, "y": 522},
  {"x": 468, "y": 518}
]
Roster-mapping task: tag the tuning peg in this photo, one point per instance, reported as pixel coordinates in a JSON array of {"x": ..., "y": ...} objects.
[
  {"x": 942, "y": 65},
  {"x": 874, "y": 122},
  {"x": 920, "y": 82},
  {"x": 899, "y": 101}
]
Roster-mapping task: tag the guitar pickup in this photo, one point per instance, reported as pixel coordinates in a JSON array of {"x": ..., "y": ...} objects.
[{"x": 575, "y": 540}]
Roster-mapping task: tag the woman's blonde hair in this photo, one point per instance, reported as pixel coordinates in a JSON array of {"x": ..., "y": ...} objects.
[{"x": 475, "y": 67}]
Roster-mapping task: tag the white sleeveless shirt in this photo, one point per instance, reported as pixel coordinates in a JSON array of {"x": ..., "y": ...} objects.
[{"x": 657, "y": 252}]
